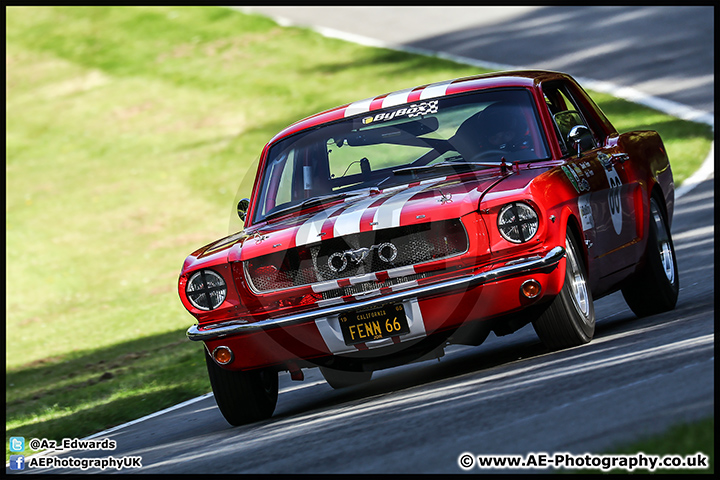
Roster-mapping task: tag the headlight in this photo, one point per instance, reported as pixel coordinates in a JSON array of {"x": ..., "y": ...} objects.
[
  {"x": 206, "y": 290},
  {"x": 517, "y": 222}
]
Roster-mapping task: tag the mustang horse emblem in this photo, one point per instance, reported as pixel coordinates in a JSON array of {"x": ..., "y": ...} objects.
[{"x": 338, "y": 261}]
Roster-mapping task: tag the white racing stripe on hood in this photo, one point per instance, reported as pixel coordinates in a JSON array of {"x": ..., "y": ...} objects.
[
  {"x": 348, "y": 222},
  {"x": 387, "y": 215},
  {"x": 310, "y": 230}
]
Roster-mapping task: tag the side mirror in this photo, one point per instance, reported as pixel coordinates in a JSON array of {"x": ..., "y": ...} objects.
[
  {"x": 242, "y": 208},
  {"x": 576, "y": 135}
]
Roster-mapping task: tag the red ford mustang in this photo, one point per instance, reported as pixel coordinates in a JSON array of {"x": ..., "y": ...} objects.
[{"x": 379, "y": 232}]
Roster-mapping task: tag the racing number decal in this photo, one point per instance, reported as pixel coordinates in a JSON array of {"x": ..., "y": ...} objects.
[
  {"x": 585, "y": 210},
  {"x": 614, "y": 201}
]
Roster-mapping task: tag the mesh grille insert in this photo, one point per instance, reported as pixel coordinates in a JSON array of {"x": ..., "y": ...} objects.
[{"x": 358, "y": 254}]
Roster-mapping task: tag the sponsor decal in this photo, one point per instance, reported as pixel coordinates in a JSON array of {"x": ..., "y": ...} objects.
[
  {"x": 580, "y": 184},
  {"x": 411, "y": 111},
  {"x": 585, "y": 209},
  {"x": 604, "y": 159},
  {"x": 578, "y": 174},
  {"x": 614, "y": 201},
  {"x": 615, "y": 184}
]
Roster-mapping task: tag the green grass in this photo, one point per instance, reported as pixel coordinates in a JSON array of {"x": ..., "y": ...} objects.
[{"x": 128, "y": 132}]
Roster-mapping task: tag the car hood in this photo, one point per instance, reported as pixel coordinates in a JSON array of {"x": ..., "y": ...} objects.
[
  {"x": 431, "y": 200},
  {"x": 420, "y": 202}
]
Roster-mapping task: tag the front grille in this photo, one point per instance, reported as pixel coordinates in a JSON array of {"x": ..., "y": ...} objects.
[{"x": 357, "y": 254}]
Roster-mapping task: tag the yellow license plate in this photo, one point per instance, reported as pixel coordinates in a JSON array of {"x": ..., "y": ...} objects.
[{"x": 368, "y": 325}]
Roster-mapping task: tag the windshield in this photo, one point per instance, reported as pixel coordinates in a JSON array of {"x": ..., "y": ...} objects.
[{"x": 399, "y": 145}]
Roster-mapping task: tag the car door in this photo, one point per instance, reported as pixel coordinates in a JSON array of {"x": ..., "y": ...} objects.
[
  {"x": 605, "y": 192},
  {"x": 612, "y": 208}
]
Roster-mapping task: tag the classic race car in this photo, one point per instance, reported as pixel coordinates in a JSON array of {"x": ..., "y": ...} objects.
[{"x": 379, "y": 232}]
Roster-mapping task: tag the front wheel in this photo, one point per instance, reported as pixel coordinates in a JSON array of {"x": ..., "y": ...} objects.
[
  {"x": 569, "y": 321},
  {"x": 654, "y": 289},
  {"x": 243, "y": 397}
]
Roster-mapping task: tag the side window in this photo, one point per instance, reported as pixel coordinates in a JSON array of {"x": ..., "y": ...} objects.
[
  {"x": 286, "y": 172},
  {"x": 566, "y": 116},
  {"x": 279, "y": 172}
]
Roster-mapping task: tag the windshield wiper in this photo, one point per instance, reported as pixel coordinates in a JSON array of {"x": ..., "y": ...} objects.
[
  {"x": 308, "y": 202},
  {"x": 446, "y": 164}
]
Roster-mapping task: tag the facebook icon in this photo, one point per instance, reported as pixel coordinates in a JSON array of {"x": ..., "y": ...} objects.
[{"x": 17, "y": 462}]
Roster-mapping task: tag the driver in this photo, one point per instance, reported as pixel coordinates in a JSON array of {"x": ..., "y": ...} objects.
[
  {"x": 498, "y": 131},
  {"x": 503, "y": 128}
]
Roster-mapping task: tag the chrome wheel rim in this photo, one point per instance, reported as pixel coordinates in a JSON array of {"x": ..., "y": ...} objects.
[
  {"x": 663, "y": 244},
  {"x": 577, "y": 283}
]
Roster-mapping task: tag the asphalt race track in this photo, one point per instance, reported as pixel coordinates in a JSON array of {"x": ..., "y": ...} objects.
[{"x": 508, "y": 396}]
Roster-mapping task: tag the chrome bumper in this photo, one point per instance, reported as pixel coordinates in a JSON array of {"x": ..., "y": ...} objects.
[{"x": 232, "y": 327}]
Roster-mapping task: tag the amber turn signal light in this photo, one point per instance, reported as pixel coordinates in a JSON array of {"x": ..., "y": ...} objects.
[
  {"x": 223, "y": 355},
  {"x": 531, "y": 288}
]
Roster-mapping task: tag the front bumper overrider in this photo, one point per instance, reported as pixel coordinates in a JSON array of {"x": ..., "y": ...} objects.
[{"x": 234, "y": 327}]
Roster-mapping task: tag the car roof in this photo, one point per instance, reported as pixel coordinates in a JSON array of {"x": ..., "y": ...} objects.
[{"x": 523, "y": 78}]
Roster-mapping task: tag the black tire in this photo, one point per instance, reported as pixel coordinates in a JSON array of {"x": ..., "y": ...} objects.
[
  {"x": 243, "y": 397},
  {"x": 569, "y": 321},
  {"x": 654, "y": 288},
  {"x": 341, "y": 379}
]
